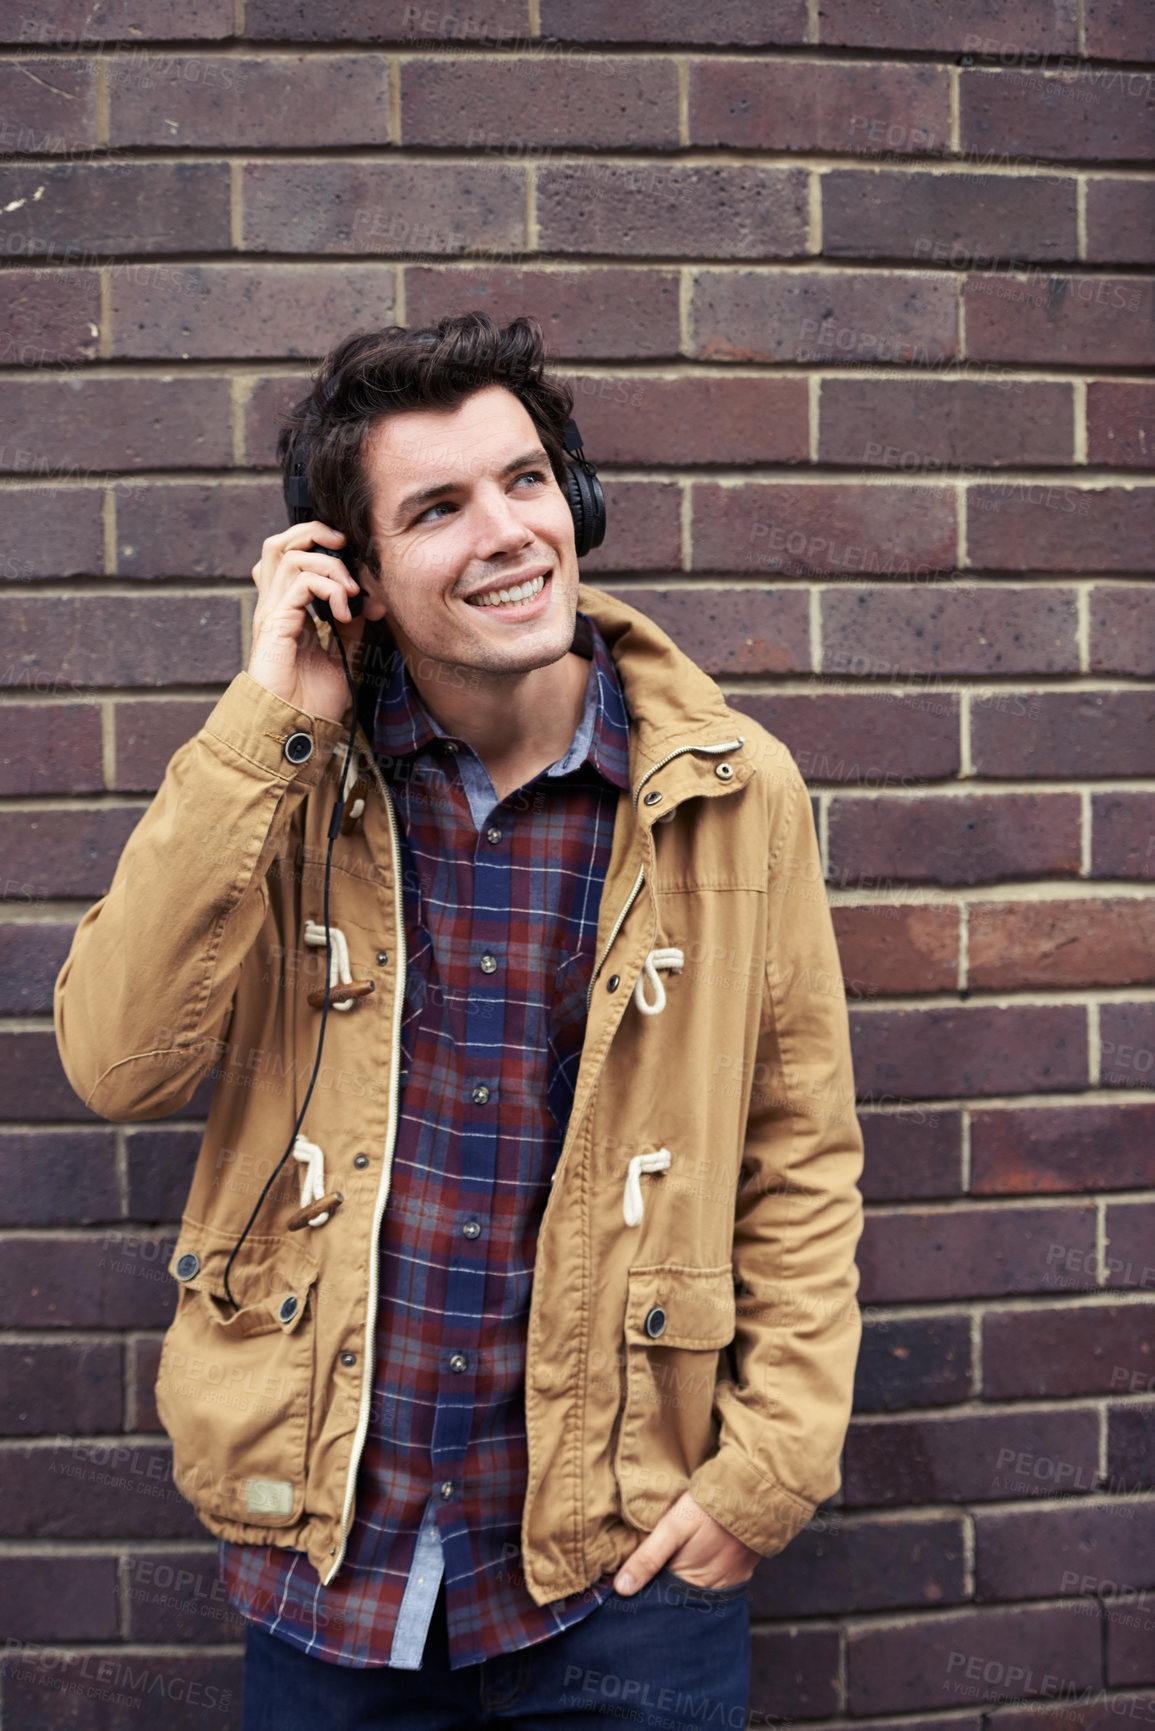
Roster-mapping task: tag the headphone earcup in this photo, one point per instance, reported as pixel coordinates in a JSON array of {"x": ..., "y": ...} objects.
[{"x": 587, "y": 507}]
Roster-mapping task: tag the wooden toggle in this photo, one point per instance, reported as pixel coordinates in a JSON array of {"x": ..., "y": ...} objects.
[
  {"x": 325, "y": 1204},
  {"x": 341, "y": 994}
]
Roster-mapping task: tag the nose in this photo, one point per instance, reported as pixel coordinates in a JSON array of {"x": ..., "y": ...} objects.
[{"x": 499, "y": 527}]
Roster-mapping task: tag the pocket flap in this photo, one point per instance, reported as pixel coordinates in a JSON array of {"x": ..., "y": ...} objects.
[
  {"x": 671, "y": 1305},
  {"x": 272, "y": 1275}
]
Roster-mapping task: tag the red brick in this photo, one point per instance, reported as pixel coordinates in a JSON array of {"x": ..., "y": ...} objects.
[
  {"x": 268, "y": 401},
  {"x": 144, "y": 1361},
  {"x": 52, "y": 533},
  {"x": 1069, "y": 117},
  {"x": 594, "y": 314},
  {"x": 913, "y": 1361},
  {"x": 733, "y": 211},
  {"x": 258, "y": 102},
  {"x": 117, "y": 423},
  {"x": 179, "y": 1596},
  {"x": 48, "y": 316},
  {"x": 729, "y": 23},
  {"x": 730, "y": 631},
  {"x": 159, "y": 1166},
  {"x": 902, "y": 632},
  {"x": 63, "y": 852},
  {"x": 49, "y": 105},
  {"x": 1131, "y": 1467},
  {"x": 897, "y": 950},
  {"x": 889, "y": 317},
  {"x": 642, "y": 419},
  {"x": 1055, "y": 944},
  {"x": 63, "y": 643},
  {"x": 1121, "y": 423},
  {"x": 972, "y": 26},
  {"x": 863, "y": 740},
  {"x": 1122, "y": 629},
  {"x": 1066, "y": 1148},
  {"x": 1116, "y": 30},
  {"x": 804, "y": 529},
  {"x": 918, "y": 428},
  {"x": 1131, "y": 1246},
  {"x": 506, "y": 106},
  {"x": 645, "y": 528},
  {"x": 117, "y": 1279},
  {"x": 94, "y": 209},
  {"x": 61, "y": 1387},
  {"x": 1041, "y": 1555},
  {"x": 77, "y": 23},
  {"x": 50, "y": 748},
  {"x": 1130, "y": 1658},
  {"x": 1123, "y": 835},
  {"x": 924, "y": 1054},
  {"x": 794, "y": 1674},
  {"x": 1126, "y": 1038},
  {"x": 954, "y": 839},
  {"x": 936, "y": 1460},
  {"x": 147, "y": 735},
  {"x": 58, "y": 1177},
  {"x": 385, "y": 21},
  {"x": 182, "y": 311},
  {"x": 45, "y": 1598},
  {"x": 1047, "y": 526},
  {"x": 1120, "y": 220},
  {"x": 1048, "y": 1354},
  {"x": 911, "y": 1153},
  {"x": 1089, "y": 320},
  {"x": 194, "y": 529},
  {"x": 31, "y": 956},
  {"x": 328, "y": 205},
  {"x": 977, "y": 1253},
  {"x": 962, "y": 221},
  {"x": 805, "y": 105},
  {"x": 190, "y": 1685},
  {"x": 840, "y": 1565},
  {"x": 32, "y": 1082}
]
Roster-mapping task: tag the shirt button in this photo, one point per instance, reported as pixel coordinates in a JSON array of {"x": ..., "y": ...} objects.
[
  {"x": 472, "y": 1229},
  {"x": 446, "y": 1489},
  {"x": 488, "y": 964},
  {"x": 480, "y": 1095},
  {"x": 655, "y": 1322},
  {"x": 298, "y": 748},
  {"x": 348, "y": 1359},
  {"x": 459, "y": 1362},
  {"x": 612, "y": 983},
  {"x": 451, "y": 745},
  {"x": 493, "y": 834}
]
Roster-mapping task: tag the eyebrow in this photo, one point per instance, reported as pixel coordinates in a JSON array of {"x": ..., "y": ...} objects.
[{"x": 427, "y": 495}]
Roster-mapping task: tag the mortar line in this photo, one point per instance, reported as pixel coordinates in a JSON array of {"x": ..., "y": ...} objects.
[
  {"x": 1094, "y": 1046},
  {"x": 954, "y": 93},
  {"x": 814, "y": 241},
  {"x": 395, "y": 99},
  {"x": 1101, "y": 1241},
  {"x": 1086, "y": 839},
  {"x": 1081, "y": 218},
  {"x": 399, "y": 294},
  {"x": 237, "y": 419},
  {"x": 683, "y": 67},
  {"x": 1083, "y": 625},
  {"x": 535, "y": 17},
  {"x": 814, "y": 386},
  {"x": 108, "y": 516},
  {"x": 685, "y": 306},
  {"x": 104, "y": 329},
  {"x": 236, "y": 212},
  {"x": 966, "y": 767},
  {"x": 968, "y": 1537},
  {"x": 813, "y": 23},
  {"x": 815, "y": 624},
  {"x": 102, "y": 103},
  {"x": 108, "y": 756},
  {"x": 964, "y": 942},
  {"x": 965, "y": 1150},
  {"x": 1079, "y": 410}
]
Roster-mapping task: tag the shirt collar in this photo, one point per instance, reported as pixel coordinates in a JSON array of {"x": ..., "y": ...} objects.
[{"x": 402, "y": 725}]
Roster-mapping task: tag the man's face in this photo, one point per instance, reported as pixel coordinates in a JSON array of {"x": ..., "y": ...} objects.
[{"x": 464, "y": 503}]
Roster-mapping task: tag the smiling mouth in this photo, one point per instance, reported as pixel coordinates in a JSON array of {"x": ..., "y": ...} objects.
[{"x": 511, "y": 596}]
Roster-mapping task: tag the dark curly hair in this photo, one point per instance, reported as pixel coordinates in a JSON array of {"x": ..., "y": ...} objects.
[{"x": 380, "y": 373}]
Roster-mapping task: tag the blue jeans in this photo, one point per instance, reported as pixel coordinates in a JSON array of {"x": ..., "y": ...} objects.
[{"x": 671, "y": 1657}]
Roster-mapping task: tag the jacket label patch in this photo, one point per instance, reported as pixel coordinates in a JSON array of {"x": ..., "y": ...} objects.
[{"x": 269, "y": 1496}]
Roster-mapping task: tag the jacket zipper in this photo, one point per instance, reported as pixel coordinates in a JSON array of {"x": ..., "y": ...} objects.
[
  {"x": 727, "y": 745},
  {"x": 368, "y": 1357}
]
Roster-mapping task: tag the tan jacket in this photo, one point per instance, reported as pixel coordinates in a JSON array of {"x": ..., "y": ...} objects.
[{"x": 693, "y": 1321}]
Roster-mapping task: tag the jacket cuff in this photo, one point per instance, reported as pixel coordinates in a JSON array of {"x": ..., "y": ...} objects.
[
  {"x": 274, "y": 736},
  {"x": 762, "y": 1514}
]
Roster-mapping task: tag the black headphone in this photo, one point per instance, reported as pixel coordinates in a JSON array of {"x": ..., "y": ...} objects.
[{"x": 587, "y": 507}]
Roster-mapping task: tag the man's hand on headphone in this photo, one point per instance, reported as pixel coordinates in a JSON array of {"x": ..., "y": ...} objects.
[{"x": 287, "y": 656}]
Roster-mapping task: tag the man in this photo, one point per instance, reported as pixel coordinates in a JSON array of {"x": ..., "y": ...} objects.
[{"x": 495, "y": 1415}]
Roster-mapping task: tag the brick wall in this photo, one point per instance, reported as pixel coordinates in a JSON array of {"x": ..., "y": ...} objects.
[{"x": 853, "y": 296}]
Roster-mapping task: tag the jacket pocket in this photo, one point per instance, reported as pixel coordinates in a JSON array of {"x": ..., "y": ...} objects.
[
  {"x": 234, "y": 1387},
  {"x": 678, "y": 1321}
]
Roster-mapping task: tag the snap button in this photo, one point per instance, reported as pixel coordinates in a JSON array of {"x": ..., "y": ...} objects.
[
  {"x": 446, "y": 1489},
  {"x": 724, "y": 771},
  {"x": 348, "y": 1359},
  {"x": 493, "y": 835},
  {"x": 459, "y": 1362},
  {"x": 652, "y": 797},
  {"x": 299, "y": 747},
  {"x": 288, "y": 1309},
  {"x": 472, "y": 1229},
  {"x": 188, "y": 1266},
  {"x": 655, "y": 1321},
  {"x": 480, "y": 1094},
  {"x": 360, "y": 1161},
  {"x": 613, "y": 982},
  {"x": 382, "y": 958},
  {"x": 488, "y": 964}
]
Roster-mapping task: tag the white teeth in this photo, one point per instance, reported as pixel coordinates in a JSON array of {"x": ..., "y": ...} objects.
[{"x": 500, "y": 597}]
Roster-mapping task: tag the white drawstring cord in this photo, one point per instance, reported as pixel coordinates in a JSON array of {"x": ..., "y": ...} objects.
[
  {"x": 632, "y": 1205},
  {"x": 340, "y": 973},
  {"x": 674, "y": 960},
  {"x": 348, "y": 781},
  {"x": 313, "y": 1177}
]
